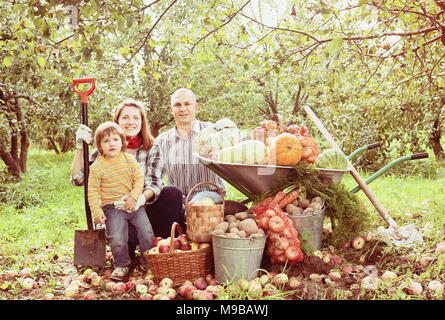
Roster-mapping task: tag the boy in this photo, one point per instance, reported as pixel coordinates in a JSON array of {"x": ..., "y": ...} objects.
[{"x": 114, "y": 175}]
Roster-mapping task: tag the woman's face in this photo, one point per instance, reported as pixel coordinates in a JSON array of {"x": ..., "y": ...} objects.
[{"x": 130, "y": 120}]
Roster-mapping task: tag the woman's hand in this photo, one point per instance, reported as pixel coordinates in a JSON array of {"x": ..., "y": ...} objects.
[{"x": 83, "y": 134}]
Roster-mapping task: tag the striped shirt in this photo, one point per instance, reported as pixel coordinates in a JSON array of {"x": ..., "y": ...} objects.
[
  {"x": 145, "y": 159},
  {"x": 110, "y": 180},
  {"x": 183, "y": 170}
]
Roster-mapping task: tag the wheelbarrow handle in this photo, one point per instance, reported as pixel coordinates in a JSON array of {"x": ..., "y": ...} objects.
[
  {"x": 373, "y": 145},
  {"x": 422, "y": 155},
  {"x": 84, "y": 94}
]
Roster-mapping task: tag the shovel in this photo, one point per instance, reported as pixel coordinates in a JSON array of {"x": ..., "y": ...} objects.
[
  {"x": 406, "y": 235},
  {"x": 89, "y": 245}
]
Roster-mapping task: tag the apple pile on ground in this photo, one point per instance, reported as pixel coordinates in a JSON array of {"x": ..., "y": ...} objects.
[{"x": 371, "y": 270}]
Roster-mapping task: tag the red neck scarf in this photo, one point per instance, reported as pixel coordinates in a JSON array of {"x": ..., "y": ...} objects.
[{"x": 134, "y": 143}]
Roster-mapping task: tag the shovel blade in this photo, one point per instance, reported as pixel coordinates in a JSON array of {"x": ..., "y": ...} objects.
[{"x": 89, "y": 247}]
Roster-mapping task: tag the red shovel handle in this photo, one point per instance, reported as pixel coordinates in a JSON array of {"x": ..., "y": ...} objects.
[{"x": 84, "y": 95}]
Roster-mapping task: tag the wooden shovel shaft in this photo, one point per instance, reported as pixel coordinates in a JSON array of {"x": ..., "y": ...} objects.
[{"x": 375, "y": 202}]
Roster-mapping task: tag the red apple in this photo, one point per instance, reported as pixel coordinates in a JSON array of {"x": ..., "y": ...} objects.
[
  {"x": 120, "y": 287},
  {"x": 89, "y": 295},
  {"x": 185, "y": 246},
  {"x": 189, "y": 292},
  {"x": 209, "y": 277},
  {"x": 183, "y": 238},
  {"x": 171, "y": 293},
  {"x": 129, "y": 285},
  {"x": 164, "y": 248},
  {"x": 358, "y": 243},
  {"x": 146, "y": 296},
  {"x": 200, "y": 283},
  {"x": 156, "y": 241},
  {"x": 166, "y": 282},
  {"x": 181, "y": 289},
  {"x": 177, "y": 243}
]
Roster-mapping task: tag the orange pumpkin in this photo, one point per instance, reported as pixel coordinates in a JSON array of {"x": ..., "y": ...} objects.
[{"x": 285, "y": 150}]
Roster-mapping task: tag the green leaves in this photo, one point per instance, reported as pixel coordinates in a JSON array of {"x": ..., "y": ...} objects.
[
  {"x": 7, "y": 61},
  {"x": 334, "y": 46}
]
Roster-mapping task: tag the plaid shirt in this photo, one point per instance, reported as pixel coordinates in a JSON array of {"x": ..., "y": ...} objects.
[
  {"x": 176, "y": 160},
  {"x": 144, "y": 158}
]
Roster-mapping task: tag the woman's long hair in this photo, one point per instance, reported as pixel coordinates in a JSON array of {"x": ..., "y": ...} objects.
[{"x": 147, "y": 138}]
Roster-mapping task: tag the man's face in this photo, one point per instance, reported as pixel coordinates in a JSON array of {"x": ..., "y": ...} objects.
[{"x": 183, "y": 108}]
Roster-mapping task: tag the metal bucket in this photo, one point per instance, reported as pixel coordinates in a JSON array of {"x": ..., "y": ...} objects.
[
  {"x": 310, "y": 229},
  {"x": 236, "y": 258}
]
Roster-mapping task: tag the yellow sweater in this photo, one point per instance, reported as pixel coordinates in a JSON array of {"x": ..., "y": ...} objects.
[{"x": 109, "y": 180}]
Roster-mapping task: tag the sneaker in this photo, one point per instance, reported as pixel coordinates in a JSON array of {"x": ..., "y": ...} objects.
[
  {"x": 119, "y": 273},
  {"x": 144, "y": 267}
]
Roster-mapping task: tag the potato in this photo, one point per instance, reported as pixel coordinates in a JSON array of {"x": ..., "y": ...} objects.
[
  {"x": 230, "y": 218},
  {"x": 242, "y": 234},
  {"x": 315, "y": 205},
  {"x": 234, "y": 224},
  {"x": 234, "y": 230},
  {"x": 303, "y": 203},
  {"x": 249, "y": 226},
  {"x": 309, "y": 211},
  {"x": 295, "y": 202},
  {"x": 223, "y": 226},
  {"x": 218, "y": 232},
  {"x": 241, "y": 215},
  {"x": 232, "y": 235},
  {"x": 317, "y": 200},
  {"x": 293, "y": 210}
]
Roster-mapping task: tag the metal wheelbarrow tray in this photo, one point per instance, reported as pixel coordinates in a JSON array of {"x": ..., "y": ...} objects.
[{"x": 255, "y": 180}]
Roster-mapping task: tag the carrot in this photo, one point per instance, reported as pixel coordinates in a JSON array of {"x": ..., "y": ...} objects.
[
  {"x": 266, "y": 201},
  {"x": 288, "y": 198},
  {"x": 277, "y": 198}
]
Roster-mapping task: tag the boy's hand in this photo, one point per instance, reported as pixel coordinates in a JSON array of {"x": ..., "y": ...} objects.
[
  {"x": 130, "y": 204},
  {"x": 100, "y": 219}
]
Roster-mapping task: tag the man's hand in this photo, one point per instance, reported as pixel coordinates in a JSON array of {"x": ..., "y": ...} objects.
[{"x": 83, "y": 134}]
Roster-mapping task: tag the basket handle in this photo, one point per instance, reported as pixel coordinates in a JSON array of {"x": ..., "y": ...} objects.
[
  {"x": 175, "y": 226},
  {"x": 199, "y": 184}
]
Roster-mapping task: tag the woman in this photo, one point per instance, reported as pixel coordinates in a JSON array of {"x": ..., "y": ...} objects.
[{"x": 163, "y": 204}]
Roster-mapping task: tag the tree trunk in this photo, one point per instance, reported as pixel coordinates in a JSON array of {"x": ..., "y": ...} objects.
[{"x": 436, "y": 134}]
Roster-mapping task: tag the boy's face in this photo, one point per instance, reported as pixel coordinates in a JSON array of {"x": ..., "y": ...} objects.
[
  {"x": 111, "y": 145},
  {"x": 183, "y": 108}
]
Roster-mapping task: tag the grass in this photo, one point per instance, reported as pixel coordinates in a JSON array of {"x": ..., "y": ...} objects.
[{"x": 44, "y": 209}]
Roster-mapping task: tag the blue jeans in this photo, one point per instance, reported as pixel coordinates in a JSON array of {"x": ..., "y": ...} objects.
[{"x": 117, "y": 231}]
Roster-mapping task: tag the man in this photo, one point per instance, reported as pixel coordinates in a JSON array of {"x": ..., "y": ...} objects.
[{"x": 177, "y": 146}]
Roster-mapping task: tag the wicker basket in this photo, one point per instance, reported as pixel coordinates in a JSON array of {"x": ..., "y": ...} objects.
[
  {"x": 200, "y": 220},
  {"x": 180, "y": 266}
]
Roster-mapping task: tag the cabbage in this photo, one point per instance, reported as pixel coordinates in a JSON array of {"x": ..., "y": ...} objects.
[{"x": 222, "y": 134}]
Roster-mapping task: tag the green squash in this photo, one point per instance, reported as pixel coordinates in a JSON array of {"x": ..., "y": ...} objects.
[{"x": 332, "y": 159}]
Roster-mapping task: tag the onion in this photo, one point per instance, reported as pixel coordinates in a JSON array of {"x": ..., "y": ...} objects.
[{"x": 276, "y": 224}]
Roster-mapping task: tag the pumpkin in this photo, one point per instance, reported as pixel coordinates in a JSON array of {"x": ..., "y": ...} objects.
[
  {"x": 285, "y": 150},
  {"x": 310, "y": 150},
  {"x": 332, "y": 159}
]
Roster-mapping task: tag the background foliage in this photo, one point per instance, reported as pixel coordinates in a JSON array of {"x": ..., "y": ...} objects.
[{"x": 371, "y": 70}]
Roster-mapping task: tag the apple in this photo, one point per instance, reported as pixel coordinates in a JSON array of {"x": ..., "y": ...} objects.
[
  {"x": 177, "y": 243},
  {"x": 243, "y": 284},
  {"x": 293, "y": 129},
  {"x": 48, "y": 296},
  {"x": 160, "y": 297},
  {"x": 281, "y": 279},
  {"x": 294, "y": 282},
  {"x": 71, "y": 292},
  {"x": 334, "y": 275},
  {"x": 89, "y": 295},
  {"x": 203, "y": 245},
  {"x": 141, "y": 289},
  {"x": 129, "y": 285},
  {"x": 189, "y": 292},
  {"x": 28, "y": 283},
  {"x": 119, "y": 287},
  {"x": 209, "y": 277},
  {"x": 194, "y": 245},
  {"x": 96, "y": 281},
  {"x": 25, "y": 273},
  {"x": 154, "y": 250},
  {"x": 166, "y": 282},
  {"x": 164, "y": 248},
  {"x": 171, "y": 293},
  {"x": 146, "y": 296},
  {"x": 181, "y": 289},
  {"x": 200, "y": 283},
  {"x": 156, "y": 241},
  {"x": 269, "y": 289},
  {"x": 358, "y": 242},
  {"x": 110, "y": 285},
  {"x": 183, "y": 238},
  {"x": 204, "y": 295},
  {"x": 153, "y": 289},
  {"x": 164, "y": 241},
  {"x": 388, "y": 275},
  {"x": 185, "y": 246}
]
